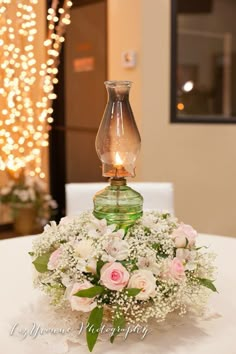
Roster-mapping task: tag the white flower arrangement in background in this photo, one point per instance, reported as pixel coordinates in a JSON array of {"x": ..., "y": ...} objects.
[
  {"x": 153, "y": 269},
  {"x": 29, "y": 191}
]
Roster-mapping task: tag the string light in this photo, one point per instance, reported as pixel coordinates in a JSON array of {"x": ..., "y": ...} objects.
[{"x": 25, "y": 109}]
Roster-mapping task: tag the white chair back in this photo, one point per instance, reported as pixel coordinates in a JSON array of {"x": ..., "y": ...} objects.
[
  {"x": 156, "y": 195},
  {"x": 159, "y": 196}
]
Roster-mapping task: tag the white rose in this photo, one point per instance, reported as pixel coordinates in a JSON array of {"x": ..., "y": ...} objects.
[
  {"x": 88, "y": 266},
  {"x": 77, "y": 303},
  {"x": 84, "y": 249},
  {"x": 91, "y": 266},
  {"x": 81, "y": 265},
  {"x": 145, "y": 280}
]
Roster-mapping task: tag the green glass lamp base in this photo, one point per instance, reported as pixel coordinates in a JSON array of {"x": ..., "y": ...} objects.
[{"x": 118, "y": 204}]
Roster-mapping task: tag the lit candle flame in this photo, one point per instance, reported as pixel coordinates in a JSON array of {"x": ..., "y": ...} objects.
[{"x": 118, "y": 159}]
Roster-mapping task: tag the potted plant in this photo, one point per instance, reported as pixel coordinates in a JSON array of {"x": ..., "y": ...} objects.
[{"x": 32, "y": 206}]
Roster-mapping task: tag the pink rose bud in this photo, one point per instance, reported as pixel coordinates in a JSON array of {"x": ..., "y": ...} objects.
[
  {"x": 184, "y": 232},
  {"x": 180, "y": 241}
]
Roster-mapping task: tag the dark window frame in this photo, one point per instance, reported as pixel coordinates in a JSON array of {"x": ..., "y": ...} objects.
[{"x": 174, "y": 118}]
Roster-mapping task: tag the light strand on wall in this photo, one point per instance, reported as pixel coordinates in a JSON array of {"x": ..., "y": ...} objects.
[{"x": 26, "y": 86}]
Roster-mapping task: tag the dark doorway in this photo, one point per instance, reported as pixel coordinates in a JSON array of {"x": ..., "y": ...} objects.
[{"x": 81, "y": 100}]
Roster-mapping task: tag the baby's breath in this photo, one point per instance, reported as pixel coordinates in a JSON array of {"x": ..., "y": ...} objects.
[{"x": 148, "y": 246}]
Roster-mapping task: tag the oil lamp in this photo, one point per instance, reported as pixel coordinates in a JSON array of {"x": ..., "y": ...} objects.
[{"x": 117, "y": 144}]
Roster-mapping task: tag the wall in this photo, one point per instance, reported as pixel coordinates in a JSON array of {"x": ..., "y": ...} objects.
[
  {"x": 198, "y": 159},
  {"x": 124, "y": 32}
]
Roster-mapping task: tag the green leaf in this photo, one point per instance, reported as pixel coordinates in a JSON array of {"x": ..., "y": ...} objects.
[
  {"x": 165, "y": 215},
  {"x": 133, "y": 291},
  {"x": 156, "y": 246},
  {"x": 54, "y": 286},
  {"x": 100, "y": 264},
  {"x": 126, "y": 263},
  {"x": 93, "y": 327},
  {"x": 41, "y": 263},
  {"x": 135, "y": 267},
  {"x": 118, "y": 324},
  {"x": 57, "y": 286},
  {"x": 207, "y": 283},
  {"x": 199, "y": 248},
  {"x": 146, "y": 230},
  {"x": 90, "y": 292},
  {"x": 159, "y": 251},
  {"x": 31, "y": 253},
  {"x": 130, "y": 263}
]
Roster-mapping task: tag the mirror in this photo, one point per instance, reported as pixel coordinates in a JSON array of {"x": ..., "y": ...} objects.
[{"x": 203, "y": 67}]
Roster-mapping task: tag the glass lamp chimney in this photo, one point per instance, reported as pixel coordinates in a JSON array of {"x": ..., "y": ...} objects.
[
  {"x": 118, "y": 140},
  {"x": 117, "y": 144}
]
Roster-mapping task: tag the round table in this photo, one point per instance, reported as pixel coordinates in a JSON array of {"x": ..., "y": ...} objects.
[{"x": 214, "y": 334}]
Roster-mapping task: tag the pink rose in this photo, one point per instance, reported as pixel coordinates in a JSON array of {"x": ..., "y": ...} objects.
[
  {"x": 182, "y": 233},
  {"x": 54, "y": 259},
  {"x": 145, "y": 280},
  {"x": 176, "y": 270},
  {"x": 114, "y": 276},
  {"x": 77, "y": 303}
]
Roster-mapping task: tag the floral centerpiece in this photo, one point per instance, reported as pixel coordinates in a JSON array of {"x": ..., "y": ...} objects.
[
  {"x": 90, "y": 267},
  {"x": 28, "y": 193}
]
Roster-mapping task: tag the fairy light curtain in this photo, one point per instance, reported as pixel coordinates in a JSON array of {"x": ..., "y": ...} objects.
[{"x": 26, "y": 87}]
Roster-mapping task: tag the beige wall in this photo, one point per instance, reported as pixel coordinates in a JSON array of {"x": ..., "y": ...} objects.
[
  {"x": 199, "y": 159},
  {"x": 124, "y": 32}
]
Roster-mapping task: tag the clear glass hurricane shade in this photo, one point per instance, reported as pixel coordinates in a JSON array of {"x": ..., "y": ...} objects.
[{"x": 118, "y": 140}]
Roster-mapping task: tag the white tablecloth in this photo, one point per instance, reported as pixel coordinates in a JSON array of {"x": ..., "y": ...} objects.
[{"x": 213, "y": 335}]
